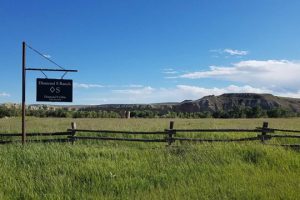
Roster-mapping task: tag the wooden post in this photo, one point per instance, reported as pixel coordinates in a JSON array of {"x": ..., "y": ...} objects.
[
  {"x": 128, "y": 114},
  {"x": 73, "y": 127},
  {"x": 170, "y": 133},
  {"x": 264, "y": 131},
  {"x": 23, "y": 92}
]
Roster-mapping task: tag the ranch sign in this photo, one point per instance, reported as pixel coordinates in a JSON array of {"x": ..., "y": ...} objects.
[{"x": 54, "y": 90}]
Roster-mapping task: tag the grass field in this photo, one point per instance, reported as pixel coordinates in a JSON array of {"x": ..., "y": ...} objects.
[{"x": 126, "y": 170}]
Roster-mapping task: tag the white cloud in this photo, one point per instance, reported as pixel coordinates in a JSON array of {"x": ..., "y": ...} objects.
[
  {"x": 229, "y": 52},
  {"x": 174, "y": 94},
  {"x": 193, "y": 92},
  {"x": 288, "y": 94},
  {"x": 4, "y": 94},
  {"x": 141, "y": 91},
  {"x": 235, "y": 52},
  {"x": 134, "y": 86},
  {"x": 47, "y": 55},
  {"x": 272, "y": 74},
  {"x": 170, "y": 71},
  {"x": 87, "y": 86}
]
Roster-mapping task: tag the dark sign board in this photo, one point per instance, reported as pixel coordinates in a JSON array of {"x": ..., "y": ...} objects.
[{"x": 54, "y": 90}]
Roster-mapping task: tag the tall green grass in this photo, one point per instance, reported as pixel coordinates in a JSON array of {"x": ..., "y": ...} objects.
[{"x": 126, "y": 170}]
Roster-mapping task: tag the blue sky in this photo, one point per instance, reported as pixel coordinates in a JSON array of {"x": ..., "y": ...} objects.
[{"x": 147, "y": 51}]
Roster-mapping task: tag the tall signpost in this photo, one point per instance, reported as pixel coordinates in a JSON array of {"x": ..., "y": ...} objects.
[
  {"x": 23, "y": 91},
  {"x": 53, "y": 90}
]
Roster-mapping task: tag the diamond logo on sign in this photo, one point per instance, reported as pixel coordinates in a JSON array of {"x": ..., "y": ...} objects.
[{"x": 54, "y": 90}]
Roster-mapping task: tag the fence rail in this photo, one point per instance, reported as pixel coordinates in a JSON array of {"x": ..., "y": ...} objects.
[
  {"x": 37, "y": 141},
  {"x": 220, "y": 130},
  {"x": 284, "y": 130},
  {"x": 264, "y": 133},
  {"x": 120, "y": 132},
  {"x": 42, "y": 140},
  {"x": 217, "y": 140},
  {"x": 119, "y": 139},
  {"x": 35, "y": 134}
]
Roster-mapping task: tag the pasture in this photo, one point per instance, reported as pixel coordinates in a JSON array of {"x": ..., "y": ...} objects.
[{"x": 128, "y": 170}]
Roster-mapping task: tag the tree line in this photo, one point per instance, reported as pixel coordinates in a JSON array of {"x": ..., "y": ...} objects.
[{"x": 237, "y": 112}]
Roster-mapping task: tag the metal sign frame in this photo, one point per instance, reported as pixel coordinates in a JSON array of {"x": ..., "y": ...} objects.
[{"x": 24, "y": 69}]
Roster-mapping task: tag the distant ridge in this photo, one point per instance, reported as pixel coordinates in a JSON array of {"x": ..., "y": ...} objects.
[
  {"x": 229, "y": 101},
  {"x": 211, "y": 103}
]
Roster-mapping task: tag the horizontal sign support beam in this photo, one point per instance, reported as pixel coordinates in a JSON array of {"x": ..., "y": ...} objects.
[{"x": 51, "y": 70}]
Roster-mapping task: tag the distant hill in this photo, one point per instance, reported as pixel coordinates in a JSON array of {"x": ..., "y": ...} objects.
[{"x": 226, "y": 102}]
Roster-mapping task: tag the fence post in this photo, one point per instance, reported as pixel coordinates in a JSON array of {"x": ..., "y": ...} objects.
[
  {"x": 73, "y": 130},
  {"x": 171, "y": 131},
  {"x": 264, "y": 131},
  {"x": 127, "y": 114}
]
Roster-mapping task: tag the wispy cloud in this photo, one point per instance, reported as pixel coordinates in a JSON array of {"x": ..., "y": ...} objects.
[
  {"x": 87, "y": 86},
  {"x": 229, "y": 52},
  {"x": 141, "y": 91},
  {"x": 47, "y": 55},
  {"x": 170, "y": 71},
  {"x": 134, "y": 86},
  {"x": 177, "y": 93},
  {"x": 268, "y": 73},
  {"x": 235, "y": 52},
  {"x": 196, "y": 92},
  {"x": 92, "y": 85},
  {"x": 193, "y": 92},
  {"x": 4, "y": 94}
]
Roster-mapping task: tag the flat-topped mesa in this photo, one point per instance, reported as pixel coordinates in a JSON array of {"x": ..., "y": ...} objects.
[
  {"x": 230, "y": 101},
  {"x": 246, "y": 95}
]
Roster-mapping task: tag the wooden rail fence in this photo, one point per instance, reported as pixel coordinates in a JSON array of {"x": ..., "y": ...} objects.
[{"x": 264, "y": 133}]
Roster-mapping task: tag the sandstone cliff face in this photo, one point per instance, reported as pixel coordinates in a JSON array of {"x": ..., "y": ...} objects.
[{"x": 229, "y": 101}]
